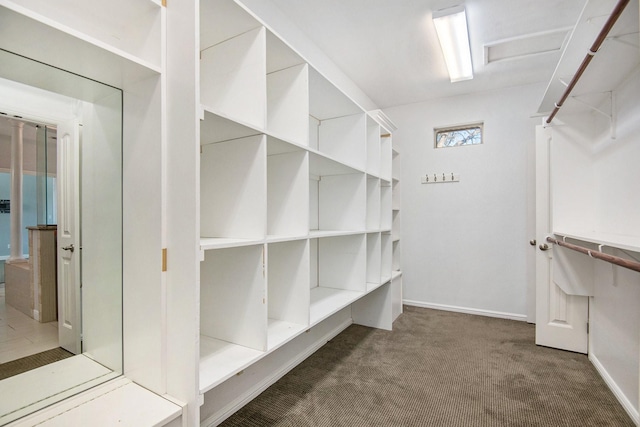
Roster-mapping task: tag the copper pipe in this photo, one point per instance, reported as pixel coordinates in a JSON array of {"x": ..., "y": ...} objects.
[
  {"x": 617, "y": 11},
  {"x": 631, "y": 265}
]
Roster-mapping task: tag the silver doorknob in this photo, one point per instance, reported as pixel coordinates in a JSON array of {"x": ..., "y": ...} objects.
[
  {"x": 544, "y": 247},
  {"x": 532, "y": 242},
  {"x": 69, "y": 248}
]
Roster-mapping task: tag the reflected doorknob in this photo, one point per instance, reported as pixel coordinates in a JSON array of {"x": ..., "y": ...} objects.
[
  {"x": 532, "y": 242},
  {"x": 68, "y": 248},
  {"x": 544, "y": 247}
]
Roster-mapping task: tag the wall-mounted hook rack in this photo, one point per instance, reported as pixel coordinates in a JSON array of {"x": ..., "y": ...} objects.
[{"x": 440, "y": 177}]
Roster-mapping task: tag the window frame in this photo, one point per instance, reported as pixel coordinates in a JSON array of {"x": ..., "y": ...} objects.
[{"x": 465, "y": 126}]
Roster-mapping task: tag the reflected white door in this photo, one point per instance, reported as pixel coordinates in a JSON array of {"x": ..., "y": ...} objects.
[
  {"x": 561, "y": 319},
  {"x": 69, "y": 249}
]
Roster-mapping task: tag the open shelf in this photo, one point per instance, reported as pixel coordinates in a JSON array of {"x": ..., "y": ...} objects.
[
  {"x": 385, "y": 206},
  {"x": 386, "y": 248},
  {"x": 127, "y": 29},
  {"x": 385, "y": 158},
  {"x": 232, "y": 189},
  {"x": 396, "y": 225},
  {"x": 395, "y": 166},
  {"x": 288, "y": 276},
  {"x": 287, "y": 92},
  {"x": 396, "y": 256},
  {"x": 217, "y": 128},
  {"x": 220, "y": 360},
  {"x": 207, "y": 243},
  {"x": 328, "y": 301},
  {"x": 337, "y": 200},
  {"x": 373, "y": 147},
  {"x": 24, "y": 30},
  {"x": 287, "y": 190},
  {"x": 231, "y": 282},
  {"x": 374, "y": 257},
  {"x": 628, "y": 243},
  {"x": 373, "y": 203},
  {"x": 395, "y": 195},
  {"x": 233, "y": 77}
]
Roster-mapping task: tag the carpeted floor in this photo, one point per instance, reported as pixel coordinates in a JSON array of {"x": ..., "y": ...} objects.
[
  {"x": 25, "y": 364},
  {"x": 437, "y": 368}
]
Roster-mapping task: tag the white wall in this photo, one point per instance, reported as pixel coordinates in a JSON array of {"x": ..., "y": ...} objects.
[{"x": 466, "y": 244}]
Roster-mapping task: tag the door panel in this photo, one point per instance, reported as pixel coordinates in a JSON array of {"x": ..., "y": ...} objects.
[
  {"x": 561, "y": 319},
  {"x": 69, "y": 249}
]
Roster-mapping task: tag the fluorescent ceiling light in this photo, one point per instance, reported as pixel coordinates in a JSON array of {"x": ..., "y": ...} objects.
[{"x": 451, "y": 26}]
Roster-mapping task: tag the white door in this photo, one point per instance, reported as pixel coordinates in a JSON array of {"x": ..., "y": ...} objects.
[
  {"x": 561, "y": 319},
  {"x": 69, "y": 250}
]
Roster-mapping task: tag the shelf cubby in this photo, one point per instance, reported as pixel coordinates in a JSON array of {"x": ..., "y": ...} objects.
[
  {"x": 396, "y": 256},
  {"x": 337, "y": 126},
  {"x": 386, "y": 248},
  {"x": 337, "y": 196},
  {"x": 288, "y": 290},
  {"x": 233, "y": 189},
  {"x": 128, "y": 29},
  {"x": 287, "y": 92},
  {"x": 233, "y": 313},
  {"x": 233, "y": 78},
  {"x": 396, "y": 225},
  {"x": 215, "y": 128},
  {"x": 344, "y": 139},
  {"x": 287, "y": 104},
  {"x": 395, "y": 165},
  {"x": 373, "y": 147},
  {"x": 395, "y": 195},
  {"x": 339, "y": 275},
  {"x": 385, "y": 158},
  {"x": 373, "y": 203},
  {"x": 385, "y": 206},
  {"x": 374, "y": 257},
  {"x": 287, "y": 189}
]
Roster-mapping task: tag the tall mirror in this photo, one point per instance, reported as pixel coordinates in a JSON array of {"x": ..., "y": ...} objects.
[{"x": 60, "y": 235}]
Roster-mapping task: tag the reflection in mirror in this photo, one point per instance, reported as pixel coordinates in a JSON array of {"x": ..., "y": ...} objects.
[{"x": 60, "y": 232}]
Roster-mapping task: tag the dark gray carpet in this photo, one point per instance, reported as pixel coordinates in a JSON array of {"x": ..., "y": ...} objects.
[
  {"x": 437, "y": 368},
  {"x": 28, "y": 363}
]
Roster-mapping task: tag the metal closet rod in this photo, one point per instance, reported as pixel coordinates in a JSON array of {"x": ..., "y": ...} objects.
[
  {"x": 631, "y": 265},
  {"x": 617, "y": 11}
]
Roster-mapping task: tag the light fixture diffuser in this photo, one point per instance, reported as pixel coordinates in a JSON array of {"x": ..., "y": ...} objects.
[{"x": 451, "y": 26}]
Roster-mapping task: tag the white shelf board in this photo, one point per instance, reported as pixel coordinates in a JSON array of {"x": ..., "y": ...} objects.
[
  {"x": 395, "y": 274},
  {"x": 321, "y": 164},
  {"x": 220, "y": 360},
  {"x": 314, "y": 234},
  {"x": 281, "y": 332},
  {"x": 207, "y": 243},
  {"x": 373, "y": 286},
  {"x": 216, "y": 127},
  {"x": 83, "y": 55},
  {"x": 119, "y": 402},
  {"x": 628, "y": 243},
  {"x": 386, "y": 279},
  {"x": 37, "y": 388},
  {"x": 273, "y": 238},
  {"x": 328, "y": 301}
]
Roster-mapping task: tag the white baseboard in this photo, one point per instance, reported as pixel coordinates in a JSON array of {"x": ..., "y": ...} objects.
[
  {"x": 467, "y": 310},
  {"x": 287, "y": 366},
  {"x": 624, "y": 401}
]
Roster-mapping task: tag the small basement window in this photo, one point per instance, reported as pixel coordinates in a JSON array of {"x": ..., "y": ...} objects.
[{"x": 458, "y": 136}]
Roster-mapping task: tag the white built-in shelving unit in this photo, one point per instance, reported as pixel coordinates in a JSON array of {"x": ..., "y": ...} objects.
[
  {"x": 296, "y": 196},
  {"x": 256, "y": 194}
]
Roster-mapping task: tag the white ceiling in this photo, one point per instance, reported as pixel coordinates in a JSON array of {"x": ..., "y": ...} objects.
[{"x": 390, "y": 48}]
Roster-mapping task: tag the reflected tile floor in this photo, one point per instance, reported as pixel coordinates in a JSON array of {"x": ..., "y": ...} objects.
[{"x": 21, "y": 335}]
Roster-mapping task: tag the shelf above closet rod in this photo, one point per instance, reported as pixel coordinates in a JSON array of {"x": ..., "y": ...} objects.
[
  {"x": 615, "y": 14},
  {"x": 631, "y": 265}
]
